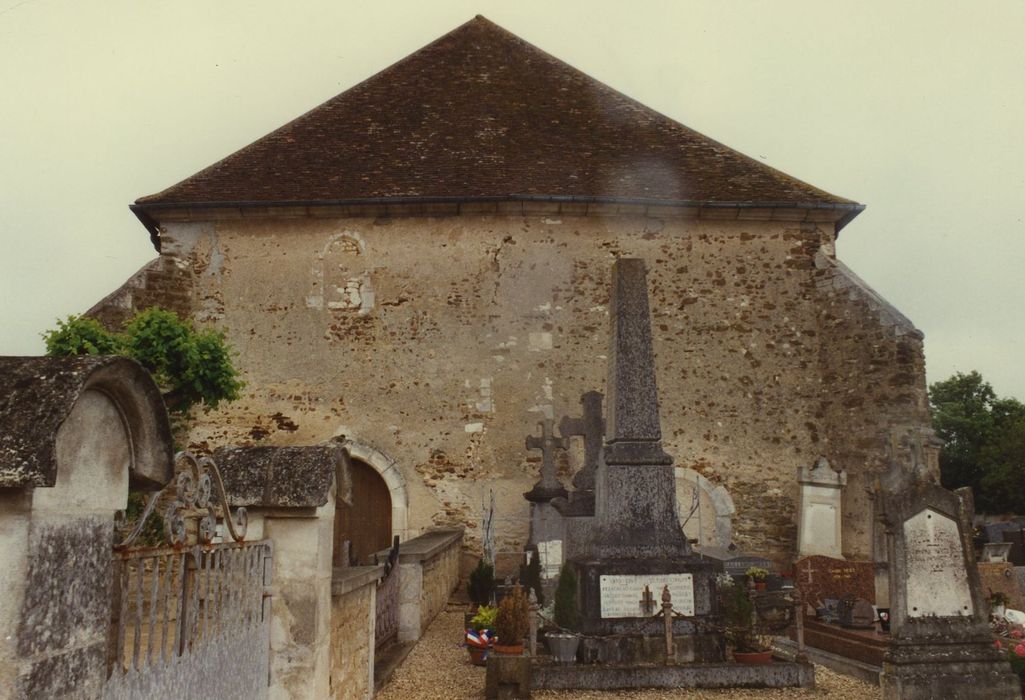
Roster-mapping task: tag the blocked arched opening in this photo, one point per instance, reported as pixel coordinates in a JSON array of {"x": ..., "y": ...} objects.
[{"x": 705, "y": 509}]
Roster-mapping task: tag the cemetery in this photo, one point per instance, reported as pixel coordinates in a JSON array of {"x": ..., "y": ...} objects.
[{"x": 724, "y": 503}]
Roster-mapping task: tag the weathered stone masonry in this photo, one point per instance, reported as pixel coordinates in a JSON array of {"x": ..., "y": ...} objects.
[{"x": 441, "y": 340}]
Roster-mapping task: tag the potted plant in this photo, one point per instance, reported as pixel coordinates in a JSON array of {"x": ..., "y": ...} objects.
[
  {"x": 562, "y": 642},
  {"x": 998, "y": 601},
  {"x": 480, "y": 633},
  {"x": 757, "y": 576},
  {"x": 512, "y": 622},
  {"x": 741, "y": 629},
  {"x": 480, "y": 588}
]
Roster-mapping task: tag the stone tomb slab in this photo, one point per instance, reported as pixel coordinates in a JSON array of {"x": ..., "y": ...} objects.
[{"x": 820, "y": 578}]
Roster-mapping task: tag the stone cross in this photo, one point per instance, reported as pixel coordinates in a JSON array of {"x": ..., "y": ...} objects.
[
  {"x": 590, "y": 426},
  {"x": 548, "y": 486}
]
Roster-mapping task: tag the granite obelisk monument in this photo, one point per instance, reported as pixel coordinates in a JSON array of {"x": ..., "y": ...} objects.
[{"x": 634, "y": 539}]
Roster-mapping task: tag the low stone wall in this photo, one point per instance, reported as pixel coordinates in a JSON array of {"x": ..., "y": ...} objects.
[
  {"x": 353, "y": 600},
  {"x": 428, "y": 573}
]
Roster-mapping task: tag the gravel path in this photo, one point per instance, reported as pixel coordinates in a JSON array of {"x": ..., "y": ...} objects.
[{"x": 438, "y": 668}]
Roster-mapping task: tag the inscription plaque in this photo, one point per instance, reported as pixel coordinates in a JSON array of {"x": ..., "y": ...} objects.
[
  {"x": 937, "y": 583},
  {"x": 621, "y": 595}
]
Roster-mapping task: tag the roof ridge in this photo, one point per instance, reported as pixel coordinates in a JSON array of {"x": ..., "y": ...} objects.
[{"x": 475, "y": 20}]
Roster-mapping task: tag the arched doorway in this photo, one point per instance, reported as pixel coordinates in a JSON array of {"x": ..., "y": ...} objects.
[{"x": 363, "y": 515}]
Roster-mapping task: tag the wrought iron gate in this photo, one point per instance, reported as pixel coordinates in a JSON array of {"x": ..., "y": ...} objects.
[
  {"x": 191, "y": 619},
  {"x": 386, "y": 621}
]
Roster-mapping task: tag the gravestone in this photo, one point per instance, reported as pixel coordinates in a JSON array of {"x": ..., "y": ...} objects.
[
  {"x": 821, "y": 578},
  {"x": 547, "y": 527},
  {"x": 818, "y": 523},
  {"x": 735, "y": 563},
  {"x": 940, "y": 642},
  {"x": 548, "y": 486},
  {"x": 996, "y": 552},
  {"x": 856, "y": 613},
  {"x": 634, "y": 539},
  {"x": 1009, "y": 532},
  {"x": 591, "y": 427},
  {"x": 1017, "y": 539}
]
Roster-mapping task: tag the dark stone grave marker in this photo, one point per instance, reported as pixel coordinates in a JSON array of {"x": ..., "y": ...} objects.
[{"x": 819, "y": 578}]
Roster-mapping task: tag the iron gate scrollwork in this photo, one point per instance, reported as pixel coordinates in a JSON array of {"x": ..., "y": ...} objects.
[{"x": 194, "y": 604}]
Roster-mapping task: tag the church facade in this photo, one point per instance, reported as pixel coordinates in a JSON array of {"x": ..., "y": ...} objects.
[{"x": 420, "y": 267}]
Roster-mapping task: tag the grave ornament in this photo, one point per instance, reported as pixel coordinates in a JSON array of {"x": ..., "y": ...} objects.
[
  {"x": 591, "y": 427},
  {"x": 548, "y": 486},
  {"x": 940, "y": 644}
]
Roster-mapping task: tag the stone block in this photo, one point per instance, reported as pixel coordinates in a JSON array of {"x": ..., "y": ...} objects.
[{"x": 507, "y": 677}]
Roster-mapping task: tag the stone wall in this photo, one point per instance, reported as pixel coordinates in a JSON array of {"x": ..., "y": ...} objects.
[
  {"x": 429, "y": 567},
  {"x": 441, "y": 341},
  {"x": 301, "y": 610},
  {"x": 73, "y": 432},
  {"x": 440, "y": 578},
  {"x": 352, "y": 633}
]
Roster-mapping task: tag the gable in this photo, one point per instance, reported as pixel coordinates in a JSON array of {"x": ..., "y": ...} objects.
[{"x": 480, "y": 114}]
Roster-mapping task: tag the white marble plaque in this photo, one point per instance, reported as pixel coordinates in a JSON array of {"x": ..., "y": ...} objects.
[
  {"x": 550, "y": 553},
  {"x": 621, "y": 595},
  {"x": 937, "y": 583}
]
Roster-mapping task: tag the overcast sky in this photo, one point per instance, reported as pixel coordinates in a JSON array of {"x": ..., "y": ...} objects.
[{"x": 915, "y": 109}]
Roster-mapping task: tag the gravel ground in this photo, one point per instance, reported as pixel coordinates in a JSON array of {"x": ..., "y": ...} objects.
[{"x": 438, "y": 668}]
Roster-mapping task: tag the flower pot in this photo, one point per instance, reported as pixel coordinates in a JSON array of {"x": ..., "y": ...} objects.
[
  {"x": 563, "y": 646},
  {"x": 759, "y": 585},
  {"x": 753, "y": 657},
  {"x": 478, "y": 657},
  {"x": 509, "y": 649}
]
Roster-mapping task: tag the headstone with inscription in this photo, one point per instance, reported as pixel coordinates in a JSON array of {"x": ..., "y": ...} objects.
[
  {"x": 818, "y": 522},
  {"x": 819, "y": 578},
  {"x": 634, "y": 540},
  {"x": 940, "y": 644}
]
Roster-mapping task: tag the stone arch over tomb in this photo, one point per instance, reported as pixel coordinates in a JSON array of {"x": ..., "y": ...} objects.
[
  {"x": 389, "y": 471},
  {"x": 705, "y": 509}
]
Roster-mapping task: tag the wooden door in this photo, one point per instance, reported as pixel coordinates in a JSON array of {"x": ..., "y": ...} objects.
[{"x": 366, "y": 523}]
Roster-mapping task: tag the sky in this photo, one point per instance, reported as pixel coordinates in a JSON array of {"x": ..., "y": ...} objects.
[{"x": 916, "y": 109}]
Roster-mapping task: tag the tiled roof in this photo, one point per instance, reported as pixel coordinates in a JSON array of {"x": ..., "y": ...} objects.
[{"x": 482, "y": 114}]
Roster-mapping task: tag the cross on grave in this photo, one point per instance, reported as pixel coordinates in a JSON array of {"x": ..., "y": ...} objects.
[
  {"x": 548, "y": 486},
  {"x": 591, "y": 427},
  {"x": 647, "y": 602}
]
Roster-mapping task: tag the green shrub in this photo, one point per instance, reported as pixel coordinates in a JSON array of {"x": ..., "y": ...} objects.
[
  {"x": 513, "y": 620},
  {"x": 481, "y": 585},
  {"x": 567, "y": 613},
  {"x": 485, "y": 618}
]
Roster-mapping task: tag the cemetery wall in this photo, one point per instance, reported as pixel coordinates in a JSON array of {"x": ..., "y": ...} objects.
[
  {"x": 441, "y": 342},
  {"x": 352, "y": 643}
]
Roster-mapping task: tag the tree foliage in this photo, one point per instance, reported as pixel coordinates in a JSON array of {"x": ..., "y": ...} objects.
[
  {"x": 985, "y": 441},
  {"x": 190, "y": 366}
]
